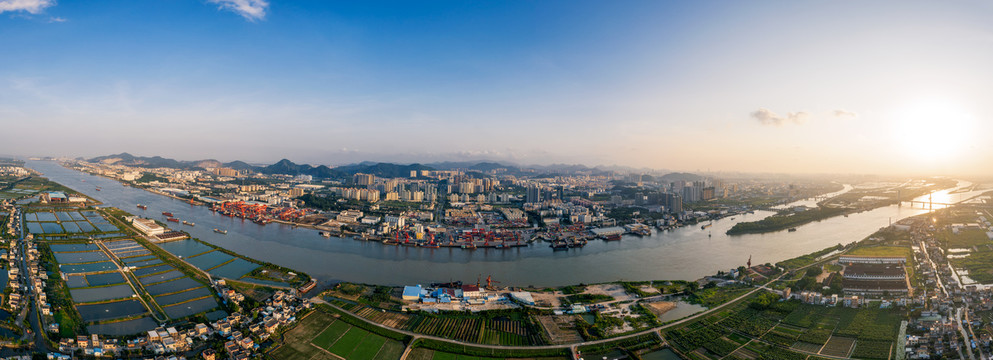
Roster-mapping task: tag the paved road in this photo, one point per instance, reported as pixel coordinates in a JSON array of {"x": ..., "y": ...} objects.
[{"x": 571, "y": 346}]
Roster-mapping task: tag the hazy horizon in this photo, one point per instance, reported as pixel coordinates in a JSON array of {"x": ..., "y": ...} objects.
[{"x": 758, "y": 87}]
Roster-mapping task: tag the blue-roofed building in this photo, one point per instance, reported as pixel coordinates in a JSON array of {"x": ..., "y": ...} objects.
[{"x": 411, "y": 293}]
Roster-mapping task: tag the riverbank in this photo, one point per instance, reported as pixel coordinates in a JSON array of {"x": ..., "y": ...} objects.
[
  {"x": 685, "y": 253},
  {"x": 841, "y": 203}
]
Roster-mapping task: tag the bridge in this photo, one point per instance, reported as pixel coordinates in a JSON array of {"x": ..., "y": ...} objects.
[{"x": 925, "y": 204}]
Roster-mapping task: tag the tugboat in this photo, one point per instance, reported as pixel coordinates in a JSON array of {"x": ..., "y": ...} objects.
[{"x": 219, "y": 231}]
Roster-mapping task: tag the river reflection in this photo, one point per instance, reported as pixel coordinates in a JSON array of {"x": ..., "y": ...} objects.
[{"x": 686, "y": 253}]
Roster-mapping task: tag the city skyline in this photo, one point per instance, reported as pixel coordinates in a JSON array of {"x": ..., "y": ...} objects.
[{"x": 890, "y": 88}]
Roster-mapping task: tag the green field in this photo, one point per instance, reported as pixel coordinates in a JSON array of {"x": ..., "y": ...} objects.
[
  {"x": 882, "y": 251},
  {"x": 334, "y": 336},
  {"x": 296, "y": 346},
  {"x": 776, "y": 326},
  {"x": 966, "y": 238},
  {"x": 425, "y": 354},
  {"x": 351, "y": 342}
]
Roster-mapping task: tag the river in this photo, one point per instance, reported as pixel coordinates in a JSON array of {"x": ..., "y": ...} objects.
[{"x": 686, "y": 253}]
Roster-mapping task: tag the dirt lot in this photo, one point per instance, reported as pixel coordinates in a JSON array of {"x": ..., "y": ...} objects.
[
  {"x": 613, "y": 290},
  {"x": 649, "y": 289},
  {"x": 661, "y": 307},
  {"x": 561, "y": 329},
  {"x": 547, "y": 299}
]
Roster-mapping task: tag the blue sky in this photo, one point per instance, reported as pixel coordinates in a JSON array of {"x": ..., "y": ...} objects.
[{"x": 756, "y": 86}]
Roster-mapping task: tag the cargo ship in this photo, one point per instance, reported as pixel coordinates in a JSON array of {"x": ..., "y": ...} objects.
[
  {"x": 173, "y": 220},
  {"x": 614, "y": 237},
  {"x": 188, "y": 223},
  {"x": 219, "y": 231},
  {"x": 169, "y": 214},
  {"x": 143, "y": 207}
]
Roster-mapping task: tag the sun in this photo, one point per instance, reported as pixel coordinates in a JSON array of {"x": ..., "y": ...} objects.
[{"x": 932, "y": 131}]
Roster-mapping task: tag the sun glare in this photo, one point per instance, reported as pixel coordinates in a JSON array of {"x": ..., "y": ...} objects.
[{"x": 932, "y": 131}]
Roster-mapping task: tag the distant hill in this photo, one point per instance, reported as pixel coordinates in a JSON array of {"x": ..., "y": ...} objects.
[
  {"x": 131, "y": 160},
  {"x": 677, "y": 176},
  {"x": 240, "y": 166},
  {"x": 282, "y": 167},
  {"x": 381, "y": 169},
  {"x": 477, "y": 166}
]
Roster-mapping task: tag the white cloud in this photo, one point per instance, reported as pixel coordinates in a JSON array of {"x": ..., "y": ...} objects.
[
  {"x": 249, "y": 9},
  {"x": 56, "y": 19},
  {"x": 845, "y": 114},
  {"x": 31, "y": 6},
  {"x": 767, "y": 117}
]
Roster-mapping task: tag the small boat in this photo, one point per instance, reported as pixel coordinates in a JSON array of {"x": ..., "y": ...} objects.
[
  {"x": 792, "y": 229},
  {"x": 188, "y": 223},
  {"x": 326, "y": 234},
  {"x": 173, "y": 220},
  {"x": 219, "y": 231},
  {"x": 169, "y": 214}
]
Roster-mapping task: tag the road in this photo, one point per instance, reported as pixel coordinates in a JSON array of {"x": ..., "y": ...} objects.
[
  {"x": 30, "y": 299},
  {"x": 571, "y": 346},
  {"x": 965, "y": 337}
]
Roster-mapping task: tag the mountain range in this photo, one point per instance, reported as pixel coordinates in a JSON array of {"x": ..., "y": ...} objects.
[{"x": 287, "y": 167}]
